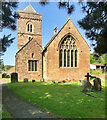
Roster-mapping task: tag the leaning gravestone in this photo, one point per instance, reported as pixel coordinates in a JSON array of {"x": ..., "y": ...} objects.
[
  {"x": 14, "y": 77},
  {"x": 83, "y": 82},
  {"x": 88, "y": 86},
  {"x": 97, "y": 84},
  {"x": 25, "y": 79}
]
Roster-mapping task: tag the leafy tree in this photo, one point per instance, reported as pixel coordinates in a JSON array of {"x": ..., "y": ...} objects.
[
  {"x": 8, "y": 67},
  {"x": 95, "y": 24},
  {"x": 95, "y": 21},
  {"x": 2, "y": 67},
  {"x": 9, "y": 17},
  {"x": 61, "y": 4}
]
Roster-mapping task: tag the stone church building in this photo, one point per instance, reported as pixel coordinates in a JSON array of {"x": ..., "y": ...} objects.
[{"x": 66, "y": 55}]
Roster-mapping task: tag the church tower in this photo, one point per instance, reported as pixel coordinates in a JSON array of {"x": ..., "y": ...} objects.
[
  {"x": 29, "y": 54},
  {"x": 29, "y": 26}
]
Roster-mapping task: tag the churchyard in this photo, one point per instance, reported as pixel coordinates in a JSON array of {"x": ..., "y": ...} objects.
[{"x": 64, "y": 100}]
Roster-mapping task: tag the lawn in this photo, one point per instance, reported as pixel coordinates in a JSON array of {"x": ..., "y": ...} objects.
[
  {"x": 5, "y": 114},
  {"x": 63, "y": 99}
]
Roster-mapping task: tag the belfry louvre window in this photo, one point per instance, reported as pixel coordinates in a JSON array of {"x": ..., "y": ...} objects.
[
  {"x": 68, "y": 53},
  {"x": 29, "y": 27},
  {"x": 32, "y": 65}
]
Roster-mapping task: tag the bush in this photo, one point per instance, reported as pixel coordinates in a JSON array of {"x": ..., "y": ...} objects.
[
  {"x": 25, "y": 79},
  {"x": 7, "y": 76},
  {"x": 4, "y": 75},
  {"x": 97, "y": 72}
]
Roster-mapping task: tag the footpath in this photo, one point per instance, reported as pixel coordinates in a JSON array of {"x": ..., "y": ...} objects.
[{"x": 19, "y": 108}]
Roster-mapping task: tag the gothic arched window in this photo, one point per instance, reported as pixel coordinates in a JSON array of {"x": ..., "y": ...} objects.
[{"x": 68, "y": 52}]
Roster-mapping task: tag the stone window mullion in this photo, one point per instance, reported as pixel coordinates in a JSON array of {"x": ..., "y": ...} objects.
[
  {"x": 62, "y": 57},
  {"x": 70, "y": 57},
  {"x": 66, "y": 57},
  {"x": 73, "y": 58}
]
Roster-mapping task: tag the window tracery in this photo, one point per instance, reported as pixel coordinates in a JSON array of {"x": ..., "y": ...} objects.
[{"x": 68, "y": 52}]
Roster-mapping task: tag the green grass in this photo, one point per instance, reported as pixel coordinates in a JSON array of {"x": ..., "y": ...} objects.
[
  {"x": 5, "y": 114},
  {"x": 64, "y": 100}
]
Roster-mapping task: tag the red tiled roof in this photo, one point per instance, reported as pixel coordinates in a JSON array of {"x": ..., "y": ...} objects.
[
  {"x": 98, "y": 64},
  {"x": 11, "y": 70}
]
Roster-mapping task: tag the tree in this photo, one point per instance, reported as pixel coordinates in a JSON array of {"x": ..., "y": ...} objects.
[
  {"x": 95, "y": 21},
  {"x": 8, "y": 67},
  {"x": 8, "y": 20},
  {"x": 61, "y": 4},
  {"x": 2, "y": 67},
  {"x": 95, "y": 24}
]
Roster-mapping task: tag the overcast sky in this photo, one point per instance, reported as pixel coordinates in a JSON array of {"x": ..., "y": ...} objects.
[{"x": 51, "y": 16}]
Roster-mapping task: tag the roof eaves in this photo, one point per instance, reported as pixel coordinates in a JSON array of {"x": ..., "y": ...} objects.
[{"x": 54, "y": 36}]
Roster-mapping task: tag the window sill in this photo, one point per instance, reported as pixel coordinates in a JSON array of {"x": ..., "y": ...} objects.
[{"x": 69, "y": 67}]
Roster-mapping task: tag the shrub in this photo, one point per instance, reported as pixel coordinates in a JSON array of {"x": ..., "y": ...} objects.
[
  {"x": 25, "y": 79},
  {"x": 4, "y": 75},
  {"x": 7, "y": 76}
]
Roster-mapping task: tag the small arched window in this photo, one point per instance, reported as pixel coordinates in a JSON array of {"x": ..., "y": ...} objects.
[{"x": 29, "y": 27}]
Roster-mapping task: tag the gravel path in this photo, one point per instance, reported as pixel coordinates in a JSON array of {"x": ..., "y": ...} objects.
[
  {"x": 19, "y": 108},
  {"x": 3, "y": 81}
]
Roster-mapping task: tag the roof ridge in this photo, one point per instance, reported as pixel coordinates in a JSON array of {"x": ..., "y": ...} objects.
[
  {"x": 55, "y": 35},
  {"x": 26, "y": 44}
]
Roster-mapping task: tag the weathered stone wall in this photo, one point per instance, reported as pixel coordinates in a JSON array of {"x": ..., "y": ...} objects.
[
  {"x": 24, "y": 19},
  {"x": 22, "y": 61},
  {"x": 54, "y": 72},
  {"x": 29, "y": 46}
]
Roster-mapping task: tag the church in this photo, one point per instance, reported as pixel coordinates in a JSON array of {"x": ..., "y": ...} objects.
[{"x": 66, "y": 55}]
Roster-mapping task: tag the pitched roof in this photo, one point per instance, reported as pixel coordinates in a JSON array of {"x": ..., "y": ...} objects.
[
  {"x": 58, "y": 33},
  {"x": 97, "y": 64},
  {"x": 54, "y": 36},
  {"x": 11, "y": 70},
  {"x": 27, "y": 44},
  {"x": 29, "y": 8}
]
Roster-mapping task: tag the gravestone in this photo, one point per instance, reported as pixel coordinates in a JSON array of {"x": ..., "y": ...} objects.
[
  {"x": 88, "y": 86},
  {"x": 53, "y": 82},
  {"x": 14, "y": 77},
  {"x": 25, "y": 79},
  {"x": 83, "y": 82},
  {"x": 42, "y": 80},
  {"x": 97, "y": 84},
  {"x": 33, "y": 80}
]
